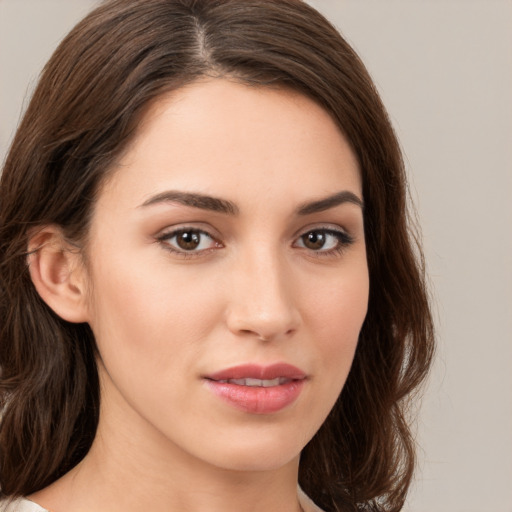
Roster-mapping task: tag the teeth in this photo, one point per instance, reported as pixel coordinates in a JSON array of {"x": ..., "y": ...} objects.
[{"x": 262, "y": 383}]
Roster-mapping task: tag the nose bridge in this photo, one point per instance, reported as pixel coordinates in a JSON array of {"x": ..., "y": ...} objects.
[{"x": 262, "y": 300}]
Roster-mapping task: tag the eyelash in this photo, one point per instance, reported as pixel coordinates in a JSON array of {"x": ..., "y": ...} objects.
[{"x": 344, "y": 240}]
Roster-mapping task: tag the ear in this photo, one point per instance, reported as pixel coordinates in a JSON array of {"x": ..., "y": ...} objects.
[{"x": 58, "y": 273}]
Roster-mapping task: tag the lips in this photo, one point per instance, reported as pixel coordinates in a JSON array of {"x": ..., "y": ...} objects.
[
  {"x": 258, "y": 389},
  {"x": 254, "y": 371}
]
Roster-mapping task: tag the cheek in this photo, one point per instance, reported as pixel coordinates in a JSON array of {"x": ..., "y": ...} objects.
[
  {"x": 335, "y": 316},
  {"x": 150, "y": 326},
  {"x": 150, "y": 312}
]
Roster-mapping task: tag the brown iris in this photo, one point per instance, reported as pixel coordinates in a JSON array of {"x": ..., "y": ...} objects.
[
  {"x": 188, "y": 240},
  {"x": 314, "y": 240}
]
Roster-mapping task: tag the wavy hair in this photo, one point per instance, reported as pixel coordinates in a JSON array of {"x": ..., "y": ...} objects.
[{"x": 99, "y": 82}]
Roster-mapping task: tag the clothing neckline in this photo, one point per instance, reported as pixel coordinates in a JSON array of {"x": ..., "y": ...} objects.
[{"x": 26, "y": 505}]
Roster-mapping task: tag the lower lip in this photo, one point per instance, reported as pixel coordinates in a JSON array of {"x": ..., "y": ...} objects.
[{"x": 255, "y": 399}]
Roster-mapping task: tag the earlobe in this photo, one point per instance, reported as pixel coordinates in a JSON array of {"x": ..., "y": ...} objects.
[{"x": 57, "y": 271}]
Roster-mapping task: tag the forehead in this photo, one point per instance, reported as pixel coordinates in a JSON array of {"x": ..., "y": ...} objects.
[{"x": 229, "y": 139}]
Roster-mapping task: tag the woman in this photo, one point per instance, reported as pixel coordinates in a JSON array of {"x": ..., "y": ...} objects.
[{"x": 210, "y": 298}]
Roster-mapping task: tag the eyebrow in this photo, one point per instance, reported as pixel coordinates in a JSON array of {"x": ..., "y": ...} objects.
[
  {"x": 216, "y": 204},
  {"x": 329, "y": 202},
  {"x": 194, "y": 200}
]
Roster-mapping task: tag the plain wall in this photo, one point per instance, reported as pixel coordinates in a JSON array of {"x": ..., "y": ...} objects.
[{"x": 444, "y": 69}]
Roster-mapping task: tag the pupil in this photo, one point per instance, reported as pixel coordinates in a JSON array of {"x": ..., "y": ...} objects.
[
  {"x": 314, "y": 240},
  {"x": 188, "y": 240}
]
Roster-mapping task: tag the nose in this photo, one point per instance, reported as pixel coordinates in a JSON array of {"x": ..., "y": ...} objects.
[{"x": 262, "y": 302}]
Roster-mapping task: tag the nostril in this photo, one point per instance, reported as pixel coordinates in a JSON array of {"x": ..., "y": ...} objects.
[
  {"x": 260, "y": 336},
  {"x": 264, "y": 336}
]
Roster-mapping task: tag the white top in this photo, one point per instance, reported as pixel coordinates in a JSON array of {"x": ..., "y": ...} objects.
[
  {"x": 24, "y": 505},
  {"x": 20, "y": 505}
]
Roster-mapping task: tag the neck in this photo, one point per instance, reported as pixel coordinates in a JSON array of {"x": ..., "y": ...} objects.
[{"x": 125, "y": 470}]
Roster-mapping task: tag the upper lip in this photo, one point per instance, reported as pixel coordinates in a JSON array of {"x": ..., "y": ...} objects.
[{"x": 255, "y": 371}]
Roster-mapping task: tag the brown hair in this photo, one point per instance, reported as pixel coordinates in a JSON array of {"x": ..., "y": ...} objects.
[{"x": 98, "y": 83}]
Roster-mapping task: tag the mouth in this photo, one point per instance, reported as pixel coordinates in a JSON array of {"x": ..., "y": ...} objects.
[
  {"x": 258, "y": 389},
  {"x": 256, "y": 383}
]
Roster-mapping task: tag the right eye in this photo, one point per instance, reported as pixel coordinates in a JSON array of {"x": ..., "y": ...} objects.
[
  {"x": 188, "y": 241},
  {"x": 324, "y": 241}
]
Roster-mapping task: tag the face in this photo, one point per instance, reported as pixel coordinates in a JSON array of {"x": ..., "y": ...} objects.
[{"x": 227, "y": 276}]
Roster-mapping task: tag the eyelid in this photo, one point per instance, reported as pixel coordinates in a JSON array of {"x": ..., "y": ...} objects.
[
  {"x": 200, "y": 227},
  {"x": 328, "y": 227}
]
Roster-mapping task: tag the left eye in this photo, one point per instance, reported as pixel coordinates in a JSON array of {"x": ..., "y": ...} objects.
[
  {"x": 323, "y": 240},
  {"x": 189, "y": 240}
]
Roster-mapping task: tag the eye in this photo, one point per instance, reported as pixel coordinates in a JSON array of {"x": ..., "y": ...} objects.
[
  {"x": 324, "y": 240},
  {"x": 188, "y": 240}
]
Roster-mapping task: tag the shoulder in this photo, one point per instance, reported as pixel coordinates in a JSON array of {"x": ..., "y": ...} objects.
[{"x": 19, "y": 505}]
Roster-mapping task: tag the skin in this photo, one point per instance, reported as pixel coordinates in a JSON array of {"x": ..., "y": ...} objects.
[{"x": 253, "y": 292}]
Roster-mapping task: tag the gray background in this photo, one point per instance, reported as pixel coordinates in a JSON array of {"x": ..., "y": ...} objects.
[{"x": 444, "y": 69}]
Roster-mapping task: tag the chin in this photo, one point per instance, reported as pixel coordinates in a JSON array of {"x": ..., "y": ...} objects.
[{"x": 259, "y": 452}]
